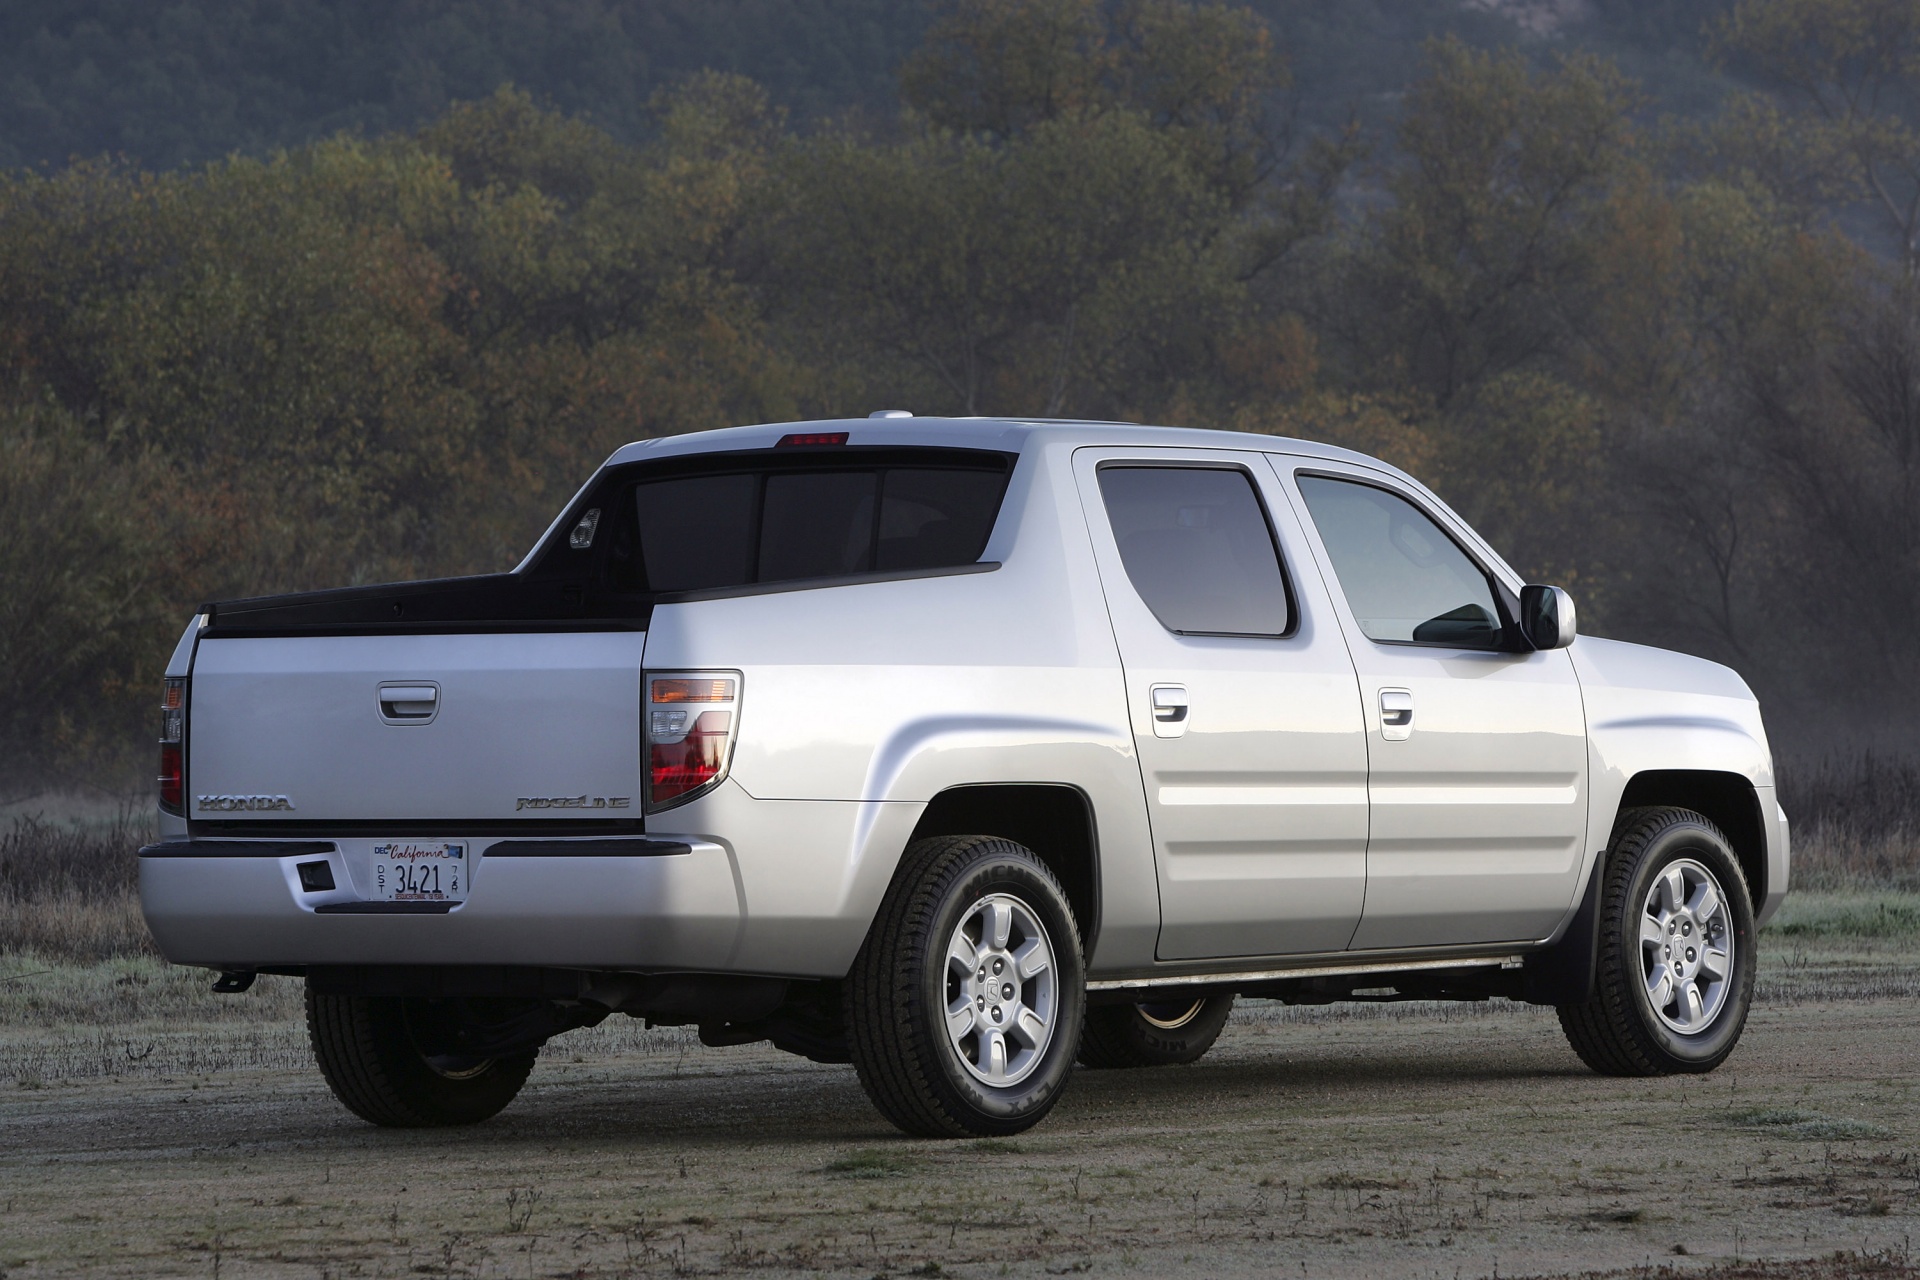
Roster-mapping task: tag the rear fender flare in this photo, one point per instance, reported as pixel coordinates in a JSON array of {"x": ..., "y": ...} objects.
[{"x": 925, "y": 758}]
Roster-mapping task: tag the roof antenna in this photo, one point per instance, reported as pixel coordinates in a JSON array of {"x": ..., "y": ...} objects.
[{"x": 891, "y": 413}]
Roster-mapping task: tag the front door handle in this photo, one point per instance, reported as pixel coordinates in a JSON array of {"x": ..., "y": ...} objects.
[
  {"x": 1396, "y": 714},
  {"x": 1169, "y": 703}
]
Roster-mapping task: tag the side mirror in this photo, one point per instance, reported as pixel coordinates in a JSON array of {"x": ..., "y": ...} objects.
[{"x": 1547, "y": 617}]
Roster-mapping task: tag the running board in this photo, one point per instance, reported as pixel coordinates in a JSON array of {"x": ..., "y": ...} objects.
[{"x": 1323, "y": 971}]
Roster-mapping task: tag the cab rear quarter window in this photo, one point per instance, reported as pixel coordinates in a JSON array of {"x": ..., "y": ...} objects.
[{"x": 716, "y": 522}]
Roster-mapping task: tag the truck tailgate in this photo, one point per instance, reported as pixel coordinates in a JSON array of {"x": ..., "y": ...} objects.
[{"x": 415, "y": 727}]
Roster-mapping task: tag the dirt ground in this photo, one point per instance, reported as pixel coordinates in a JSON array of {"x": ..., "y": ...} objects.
[{"x": 1371, "y": 1141}]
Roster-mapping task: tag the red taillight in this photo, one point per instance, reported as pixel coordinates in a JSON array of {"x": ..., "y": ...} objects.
[
  {"x": 692, "y": 762},
  {"x": 172, "y": 778},
  {"x": 811, "y": 437},
  {"x": 689, "y": 747},
  {"x": 173, "y": 737}
]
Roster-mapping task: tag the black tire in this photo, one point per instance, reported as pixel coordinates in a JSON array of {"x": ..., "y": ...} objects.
[
  {"x": 902, "y": 984},
  {"x": 366, "y": 1050},
  {"x": 1617, "y": 1031},
  {"x": 1153, "y": 1033}
]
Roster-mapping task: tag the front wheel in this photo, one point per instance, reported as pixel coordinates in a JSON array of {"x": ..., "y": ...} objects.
[
  {"x": 964, "y": 1006},
  {"x": 1676, "y": 954}
]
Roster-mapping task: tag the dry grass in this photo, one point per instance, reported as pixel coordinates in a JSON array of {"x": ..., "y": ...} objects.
[
  {"x": 88, "y": 856},
  {"x": 74, "y": 928},
  {"x": 1856, "y": 822},
  {"x": 1838, "y": 857},
  {"x": 1842, "y": 1264},
  {"x": 1870, "y": 793},
  {"x": 69, "y": 890},
  {"x": 140, "y": 1018},
  {"x": 38, "y": 993}
]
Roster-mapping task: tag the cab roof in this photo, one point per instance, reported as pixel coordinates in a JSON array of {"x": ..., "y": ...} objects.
[
  {"x": 1017, "y": 436},
  {"x": 1009, "y": 435}
]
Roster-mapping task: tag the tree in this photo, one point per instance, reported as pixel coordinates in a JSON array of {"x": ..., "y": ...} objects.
[
  {"x": 1206, "y": 74},
  {"x": 79, "y": 617},
  {"x": 1071, "y": 220},
  {"x": 1019, "y": 278},
  {"x": 1854, "y": 66},
  {"x": 1481, "y": 262}
]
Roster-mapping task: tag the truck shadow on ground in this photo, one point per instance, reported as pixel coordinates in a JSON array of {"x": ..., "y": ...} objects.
[{"x": 804, "y": 1103}]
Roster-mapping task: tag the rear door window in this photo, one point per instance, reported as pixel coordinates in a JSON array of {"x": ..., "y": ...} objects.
[
  {"x": 1197, "y": 547},
  {"x": 790, "y": 523}
]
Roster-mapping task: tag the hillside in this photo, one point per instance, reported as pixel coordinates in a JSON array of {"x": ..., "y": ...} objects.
[
  {"x": 187, "y": 81},
  {"x": 1669, "y": 368}
]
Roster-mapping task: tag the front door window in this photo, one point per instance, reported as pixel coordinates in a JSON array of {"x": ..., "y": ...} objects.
[{"x": 1406, "y": 581}]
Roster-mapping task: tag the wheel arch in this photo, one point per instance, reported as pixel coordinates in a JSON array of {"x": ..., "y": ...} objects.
[
  {"x": 1054, "y": 819},
  {"x": 1564, "y": 972},
  {"x": 1728, "y": 800}
]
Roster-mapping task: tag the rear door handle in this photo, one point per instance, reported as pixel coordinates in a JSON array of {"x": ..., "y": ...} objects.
[
  {"x": 1169, "y": 703},
  {"x": 1396, "y": 714}
]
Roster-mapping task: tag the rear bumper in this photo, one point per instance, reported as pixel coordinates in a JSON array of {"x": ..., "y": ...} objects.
[{"x": 593, "y": 903}]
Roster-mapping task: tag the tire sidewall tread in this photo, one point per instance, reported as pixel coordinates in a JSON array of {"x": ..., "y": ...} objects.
[
  {"x": 366, "y": 1054},
  {"x": 1615, "y": 1031},
  {"x": 895, "y": 992},
  {"x": 1117, "y": 1036}
]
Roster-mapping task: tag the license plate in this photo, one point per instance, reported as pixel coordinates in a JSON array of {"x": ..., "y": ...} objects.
[{"x": 435, "y": 871}]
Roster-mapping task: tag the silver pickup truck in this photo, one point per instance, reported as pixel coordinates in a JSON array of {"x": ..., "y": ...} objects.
[{"x": 960, "y": 750}]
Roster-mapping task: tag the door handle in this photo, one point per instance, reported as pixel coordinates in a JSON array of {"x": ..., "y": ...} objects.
[
  {"x": 1169, "y": 703},
  {"x": 409, "y": 703},
  {"x": 1396, "y": 714}
]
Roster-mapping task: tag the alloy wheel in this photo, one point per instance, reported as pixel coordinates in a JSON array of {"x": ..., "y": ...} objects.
[
  {"x": 1002, "y": 1001},
  {"x": 1686, "y": 949}
]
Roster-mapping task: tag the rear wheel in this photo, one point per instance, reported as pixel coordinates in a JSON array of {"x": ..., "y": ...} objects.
[
  {"x": 964, "y": 1006},
  {"x": 1676, "y": 954},
  {"x": 370, "y": 1050},
  {"x": 1154, "y": 1033}
]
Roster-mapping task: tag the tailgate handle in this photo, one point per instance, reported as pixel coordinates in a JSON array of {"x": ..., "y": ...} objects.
[{"x": 409, "y": 703}]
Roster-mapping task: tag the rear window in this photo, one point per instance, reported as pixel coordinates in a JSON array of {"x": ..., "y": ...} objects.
[
  {"x": 1197, "y": 547},
  {"x": 814, "y": 519}
]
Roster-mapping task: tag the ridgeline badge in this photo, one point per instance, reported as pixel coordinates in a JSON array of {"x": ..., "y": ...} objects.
[{"x": 572, "y": 802}]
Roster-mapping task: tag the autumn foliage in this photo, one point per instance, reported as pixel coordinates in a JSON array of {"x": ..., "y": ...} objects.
[{"x": 1676, "y": 369}]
